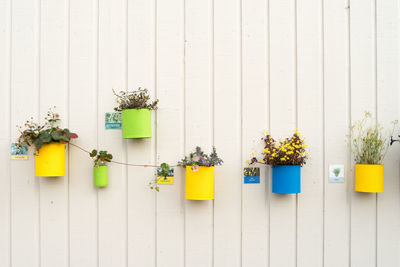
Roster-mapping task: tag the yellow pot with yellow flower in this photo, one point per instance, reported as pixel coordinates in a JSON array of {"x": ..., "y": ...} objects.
[
  {"x": 286, "y": 158},
  {"x": 200, "y": 174}
]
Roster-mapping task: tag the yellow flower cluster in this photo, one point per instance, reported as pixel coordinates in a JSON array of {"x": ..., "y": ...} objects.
[{"x": 288, "y": 151}]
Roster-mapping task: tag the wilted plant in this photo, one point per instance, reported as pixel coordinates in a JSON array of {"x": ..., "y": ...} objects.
[
  {"x": 369, "y": 140},
  {"x": 290, "y": 151},
  {"x": 139, "y": 99},
  {"x": 38, "y": 135},
  {"x": 100, "y": 158},
  {"x": 199, "y": 158}
]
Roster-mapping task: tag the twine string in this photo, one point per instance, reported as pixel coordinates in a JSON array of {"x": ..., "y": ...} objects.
[{"x": 122, "y": 163}]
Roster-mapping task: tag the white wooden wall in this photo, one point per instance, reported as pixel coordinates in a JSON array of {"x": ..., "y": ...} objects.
[{"x": 224, "y": 71}]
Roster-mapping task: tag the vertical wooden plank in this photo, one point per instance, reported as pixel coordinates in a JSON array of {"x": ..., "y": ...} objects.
[
  {"x": 198, "y": 124},
  {"x": 141, "y": 73},
  {"x": 310, "y": 122},
  {"x": 227, "y": 127},
  {"x": 24, "y": 104},
  {"x": 283, "y": 121},
  {"x": 255, "y": 118},
  {"x": 388, "y": 228},
  {"x": 5, "y": 136},
  {"x": 54, "y": 208},
  {"x": 112, "y": 74},
  {"x": 336, "y": 124},
  {"x": 363, "y": 98},
  {"x": 170, "y": 130},
  {"x": 83, "y": 93}
]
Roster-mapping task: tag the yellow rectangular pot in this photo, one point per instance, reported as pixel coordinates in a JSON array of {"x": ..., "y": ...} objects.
[
  {"x": 200, "y": 183},
  {"x": 369, "y": 178},
  {"x": 50, "y": 160}
]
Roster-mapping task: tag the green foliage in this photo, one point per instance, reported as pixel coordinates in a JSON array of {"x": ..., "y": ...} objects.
[
  {"x": 164, "y": 169},
  {"x": 336, "y": 171},
  {"x": 369, "y": 141},
  {"x": 38, "y": 135},
  {"x": 139, "y": 99},
  {"x": 164, "y": 173},
  {"x": 101, "y": 158},
  {"x": 199, "y": 158}
]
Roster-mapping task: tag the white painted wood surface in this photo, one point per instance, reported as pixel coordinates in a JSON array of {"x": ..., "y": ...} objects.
[{"x": 224, "y": 72}]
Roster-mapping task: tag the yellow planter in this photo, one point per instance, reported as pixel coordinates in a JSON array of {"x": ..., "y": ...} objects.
[
  {"x": 50, "y": 160},
  {"x": 369, "y": 178},
  {"x": 200, "y": 184}
]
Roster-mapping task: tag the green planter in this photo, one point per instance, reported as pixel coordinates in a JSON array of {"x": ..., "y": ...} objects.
[
  {"x": 100, "y": 176},
  {"x": 136, "y": 123}
]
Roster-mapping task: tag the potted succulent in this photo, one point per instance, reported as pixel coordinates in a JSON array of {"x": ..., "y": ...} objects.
[
  {"x": 200, "y": 174},
  {"x": 100, "y": 169},
  {"x": 136, "y": 113},
  {"x": 369, "y": 145},
  {"x": 49, "y": 141},
  {"x": 286, "y": 158}
]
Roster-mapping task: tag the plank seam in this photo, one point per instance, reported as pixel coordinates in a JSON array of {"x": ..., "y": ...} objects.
[
  {"x": 349, "y": 191},
  {"x": 241, "y": 123},
  {"x": 323, "y": 126},
  {"x": 9, "y": 84},
  {"x": 96, "y": 79}
]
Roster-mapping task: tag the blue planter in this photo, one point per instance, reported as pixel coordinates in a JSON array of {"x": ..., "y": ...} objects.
[{"x": 286, "y": 179}]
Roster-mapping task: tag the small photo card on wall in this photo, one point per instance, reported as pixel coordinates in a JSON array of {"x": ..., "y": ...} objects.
[
  {"x": 165, "y": 180},
  {"x": 336, "y": 173},
  {"x": 251, "y": 175},
  {"x": 113, "y": 120},
  {"x": 19, "y": 152}
]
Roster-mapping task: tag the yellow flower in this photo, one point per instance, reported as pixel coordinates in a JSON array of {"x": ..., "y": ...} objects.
[
  {"x": 247, "y": 165},
  {"x": 247, "y": 160},
  {"x": 283, "y": 159},
  {"x": 252, "y": 153},
  {"x": 262, "y": 161}
]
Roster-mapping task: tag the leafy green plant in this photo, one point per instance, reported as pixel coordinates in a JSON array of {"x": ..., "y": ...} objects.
[
  {"x": 164, "y": 173},
  {"x": 100, "y": 158},
  {"x": 36, "y": 134},
  {"x": 199, "y": 158},
  {"x": 369, "y": 141},
  {"x": 139, "y": 99},
  {"x": 336, "y": 171},
  {"x": 289, "y": 151}
]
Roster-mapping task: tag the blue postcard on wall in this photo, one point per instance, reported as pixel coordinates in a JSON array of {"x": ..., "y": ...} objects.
[
  {"x": 113, "y": 120},
  {"x": 251, "y": 175}
]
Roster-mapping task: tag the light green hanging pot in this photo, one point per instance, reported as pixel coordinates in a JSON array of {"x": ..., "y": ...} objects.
[
  {"x": 100, "y": 176},
  {"x": 136, "y": 123}
]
